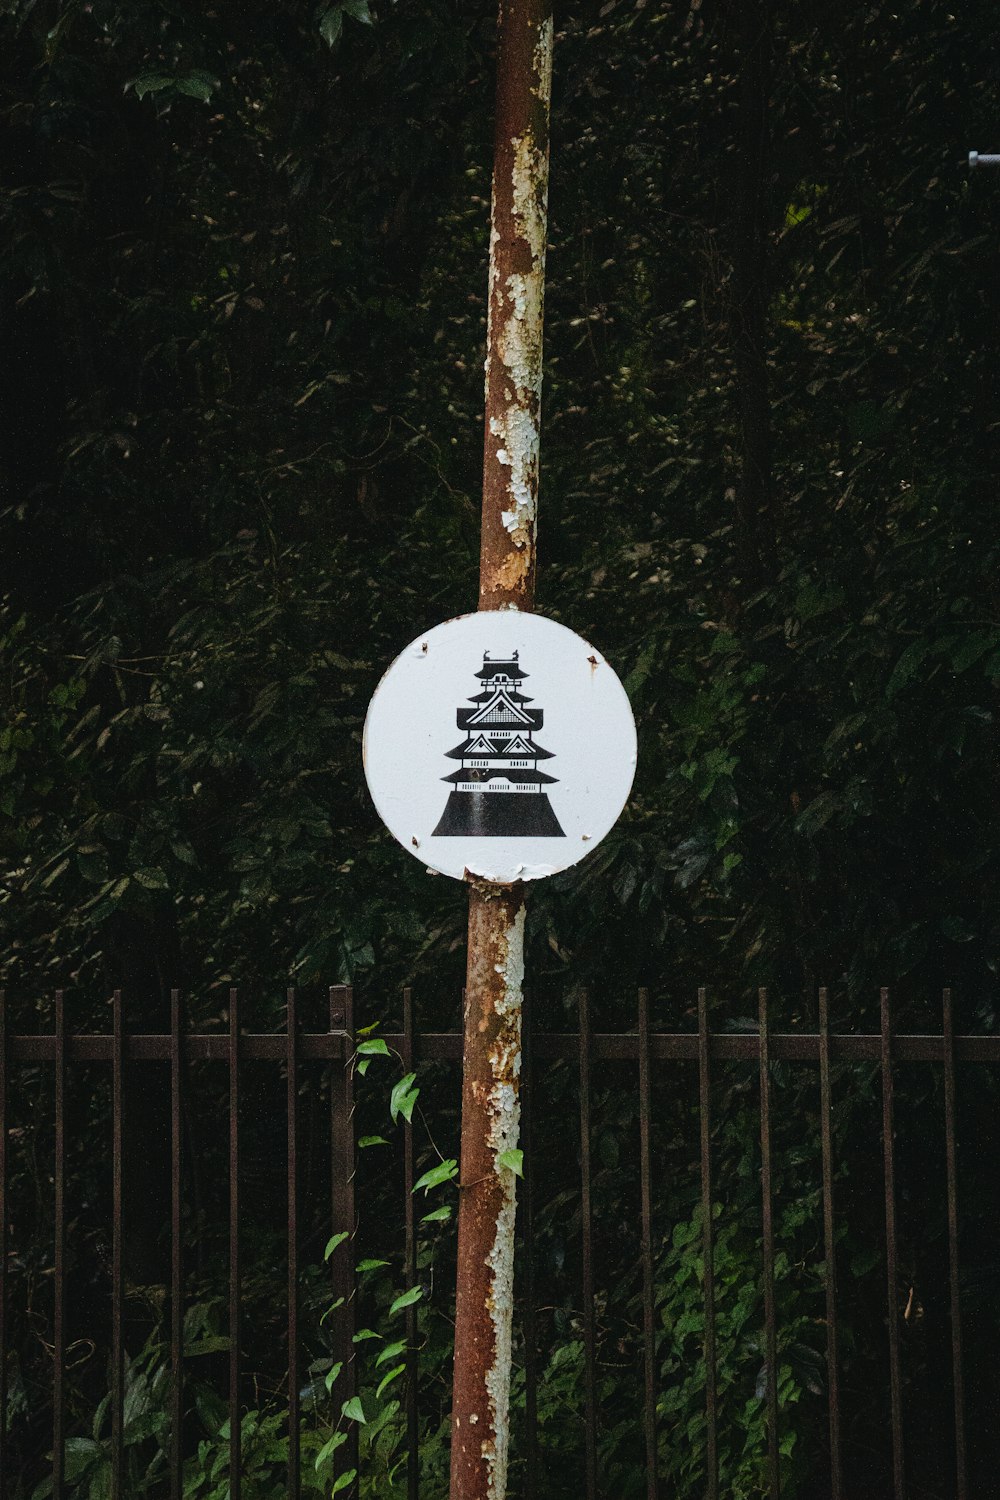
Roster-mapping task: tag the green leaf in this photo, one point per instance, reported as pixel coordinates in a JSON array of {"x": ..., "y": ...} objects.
[
  {"x": 330, "y": 1447},
  {"x": 437, "y": 1215},
  {"x": 216, "y": 1343},
  {"x": 406, "y": 1299},
  {"x": 152, "y": 877},
  {"x": 390, "y": 1352},
  {"x": 344, "y": 1480},
  {"x": 332, "y": 1374},
  {"x": 370, "y": 1265},
  {"x": 196, "y": 86},
  {"x": 444, "y": 1172},
  {"x": 365, "y": 1333},
  {"x": 388, "y": 1379},
  {"x": 334, "y": 1241},
  {"x": 53, "y": 875},
  {"x": 403, "y": 1098},
  {"x": 906, "y": 667},
  {"x": 636, "y": 679},
  {"x": 372, "y": 1140},
  {"x": 331, "y": 24},
  {"x": 331, "y": 1309},
  {"x": 211, "y": 1409},
  {"x": 357, "y": 10},
  {"x": 354, "y": 1411},
  {"x": 819, "y": 812},
  {"x": 100, "y": 1483},
  {"x": 971, "y": 649},
  {"x": 513, "y": 1161},
  {"x": 374, "y": 1048},
  {"x": 148, "y": 83},
  {"x": 100, "y": 1414},
  {"x": 92, "y": 864}
]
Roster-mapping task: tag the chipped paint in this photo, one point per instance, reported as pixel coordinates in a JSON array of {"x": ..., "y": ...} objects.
[
  {"x": 495, "y": 972},
  {"x": 542, "y": 62},
  {"x": 490, "y": 1125},
  {"x": 519, "y": 210},
  {"x": 504, "y": 1113}
]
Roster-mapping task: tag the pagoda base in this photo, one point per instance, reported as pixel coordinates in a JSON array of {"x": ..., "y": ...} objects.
[{"x": 498, "y": 815}]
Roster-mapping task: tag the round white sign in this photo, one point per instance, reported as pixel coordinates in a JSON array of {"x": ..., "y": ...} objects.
[{"x": 499, "y": 745}]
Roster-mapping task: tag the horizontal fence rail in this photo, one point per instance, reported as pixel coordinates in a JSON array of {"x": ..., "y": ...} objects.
[
  {"x": 446, "y": 1046},
  {"x": 125, "y": 1052}
]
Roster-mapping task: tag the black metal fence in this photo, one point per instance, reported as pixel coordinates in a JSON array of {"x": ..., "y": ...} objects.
[{"x": 643, "y": 1062}]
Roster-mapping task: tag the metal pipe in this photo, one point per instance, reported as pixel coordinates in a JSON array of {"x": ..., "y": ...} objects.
[
  {"x": 176, "y": 1250},
  {"x": 516, "y": 298},
  {"x": 493, "y": 996}
]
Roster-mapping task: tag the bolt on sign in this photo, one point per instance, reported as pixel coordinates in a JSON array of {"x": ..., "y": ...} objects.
[{"x": 499, "y": 746}]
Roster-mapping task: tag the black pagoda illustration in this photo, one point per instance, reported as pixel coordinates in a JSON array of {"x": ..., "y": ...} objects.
[{"x": 498, "y": 790}]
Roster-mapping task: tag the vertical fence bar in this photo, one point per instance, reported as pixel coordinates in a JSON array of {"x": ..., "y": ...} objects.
[
  {"x": 117, "y": 1282},
  {"x": 235, "y": 1423},
  {"x": 891, "y": 1261},
  {"x": 528, "y": 1260},
  {"x": 3, "y": 1245},
  {"x": 412, "y": 1356},
  {"x": 767, "y": 1206},
  {"x": 708, "y": 1249},
  {"x": 829, "y": 1245},
  {"x": 176, "y": 1253},
  {"x": 59, "y": 1265},
  {"x": 292, "y": 1173},
  {"x": 951, "y": 1170},
  {"x": 645, "y": 1176},
  {"x": 586, "y": 1215},
  {"x": 343, "y": 1209}
]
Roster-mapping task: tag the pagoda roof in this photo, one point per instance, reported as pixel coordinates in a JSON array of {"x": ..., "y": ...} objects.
[
  {"x": 492, "y": 711},
  {"x": 511, "y": 693},
  {"x": 494, "y": 728},
  {"x": 531, "y": 752},
  {"x": 509, "y": 667},
  {"x": 487, "y": 773}
]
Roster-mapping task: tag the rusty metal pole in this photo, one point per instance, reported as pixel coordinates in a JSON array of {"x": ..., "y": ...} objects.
[{"x": 492, "y": 1047}]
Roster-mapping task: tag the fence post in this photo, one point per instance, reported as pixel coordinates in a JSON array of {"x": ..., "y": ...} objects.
[
  {"x": 492, "y": 1047},
  {"x": 344, "y": 1216},
  {"x": 59, "y": 1259},
  {"x": 3, "y": 1245}
]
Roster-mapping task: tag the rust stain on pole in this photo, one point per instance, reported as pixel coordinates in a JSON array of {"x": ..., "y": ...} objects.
[
  {"x": 480, "y": 1430},
  {"x": 516, "y": 296}
]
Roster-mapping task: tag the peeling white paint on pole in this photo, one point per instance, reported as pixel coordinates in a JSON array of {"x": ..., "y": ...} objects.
[
  {"x": 495, "y": 975},
  {"x": 504, "y": 1117},
  {"x": 516, "y": 341},
  {"x": 542, "y": 60},
  {"x": 518, "y": 220}
]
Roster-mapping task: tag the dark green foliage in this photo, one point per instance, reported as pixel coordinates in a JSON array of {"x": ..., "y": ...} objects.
[{"x": 244, "y": 279}]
